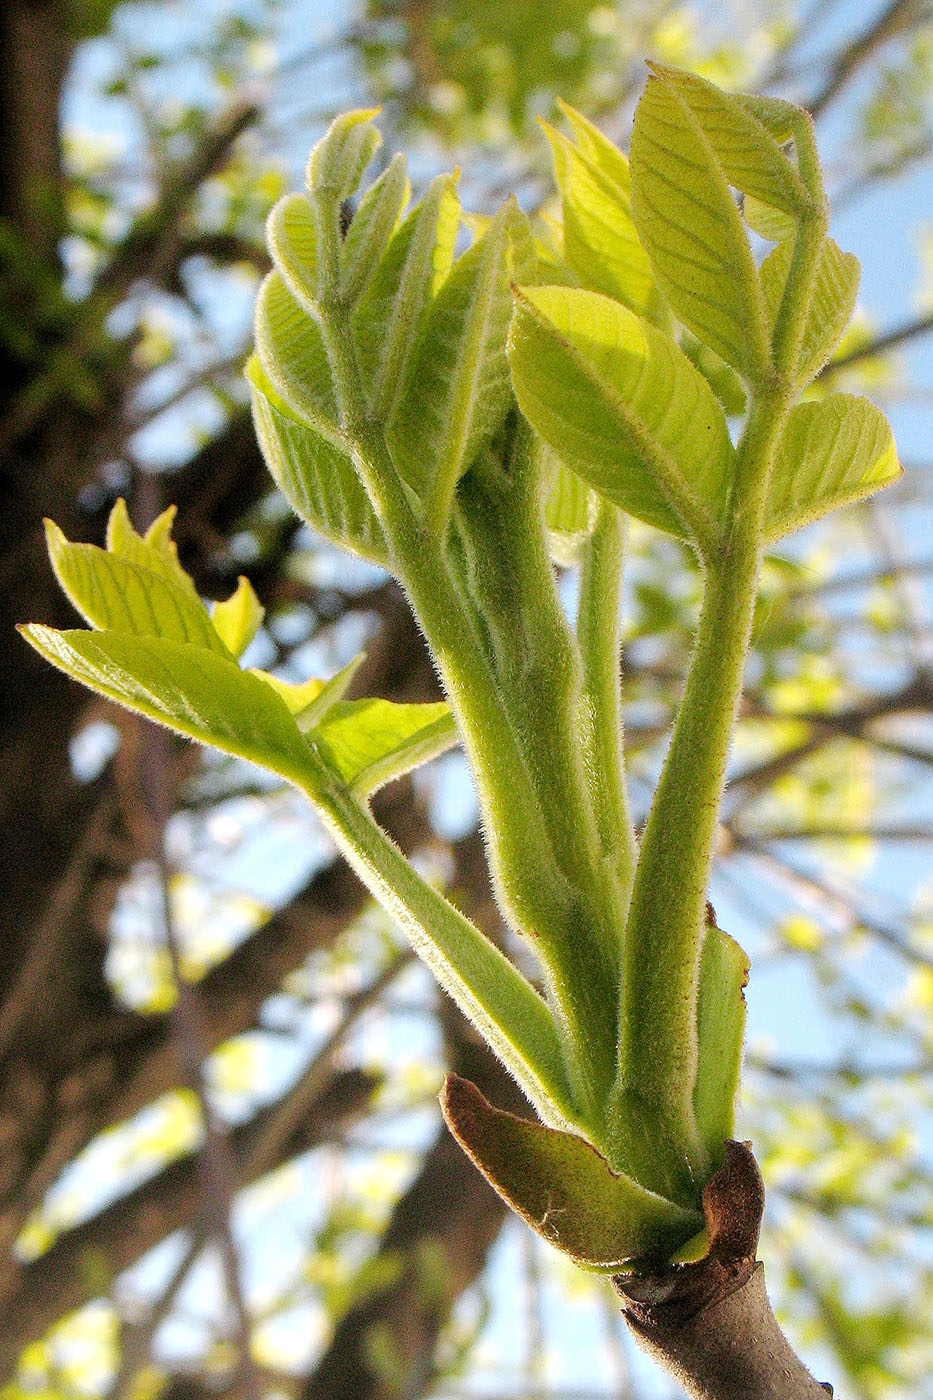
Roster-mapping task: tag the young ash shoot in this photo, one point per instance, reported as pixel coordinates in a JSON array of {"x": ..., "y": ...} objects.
[{"x": 467, "y": 422}]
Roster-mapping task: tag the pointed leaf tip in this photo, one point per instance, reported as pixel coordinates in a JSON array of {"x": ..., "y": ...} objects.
[{"x": 562, "y": 1187}]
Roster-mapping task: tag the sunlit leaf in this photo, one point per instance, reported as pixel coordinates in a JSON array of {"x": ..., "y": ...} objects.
[
  {"x": 832, "y": 301},
  {"x": 291, "y": 351},
  {"x": 831, "y": 453},
  {"x": 457, "y": 389},
  {"x": 688, "y": 222},
  {"x": 199, "y": 693},
  {"x": 599, "y": 239},
  {"x": 316, "y": 477},
  {"x": 372, "y": 226},
  {"x": 292, "y": 240},
  {"x": 338, "y": 161},
  {"x": 370, "y": 742},
  {"x": 112, "y": 592},
  {"x": 237, "y": 620},
  {"x": 621, "y": 405},
  {"x": 412, "y": 270}
]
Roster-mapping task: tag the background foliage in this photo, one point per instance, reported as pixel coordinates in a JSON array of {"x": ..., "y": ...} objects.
[{"x": 221, "y": 1124}]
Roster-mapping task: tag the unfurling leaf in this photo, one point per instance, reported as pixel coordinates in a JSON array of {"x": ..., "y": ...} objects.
[
  {"x": 832, "y": 301},
  {"x": 238, "y": 619},
  {"x": 314, "y": 474},
  {"x": 620, "y": 404},
  {"x": 372, "y": 226},
  {"x": 563, "y": 1187},
  {"x": 720, "y": 1030},
  {"x": 831, "y": 453},
  {"x": 412, "y": 271},
  {"x": 338, "y": 161},
  {"x": 599, "y": 239},
  {"x": 457, "y": 389}
]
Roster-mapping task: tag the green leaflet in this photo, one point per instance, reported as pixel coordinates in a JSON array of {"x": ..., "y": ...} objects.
[
  {"x": 692, "y": 231},
  {"x": 370, "y": 742},
  {"x": 200, "y": 693},
  {"x": 309, "y": 701},
  {"x": 721, "y": 378},
  {"x": 457, "y": 389},
  {"x": 291, "y": 351},
  {"x": 720, "y": 1029},
  {"x": 292, "y": 240},
  {"x": 597, "y": 147},
  {"x": 832, "y": 301},
  {"x": 112, "y": 592},
  {"x": 412, "y": 270},
  {"x": 569, "y": 512},
  {"x": 563, "y": 1187},
  {"x": 600, "y": 243},
  {"x": 337, "y": 162},
  {"x": 372, "y": 226},
  {"x": 238, "y": 620},
  {"x": 831, "y": 453},
  {"x": 620, "y": 404},
  {"x": 315, "y": 476},
  {"x": 747, "y": 152},
  {"x": 155, "y": 551}
]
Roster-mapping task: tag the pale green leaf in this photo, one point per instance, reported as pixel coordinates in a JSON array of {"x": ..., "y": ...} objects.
[
  {"x": 292, "y": 240},
  {"x": 291, "y": 351},
  {"x": 155, "y": 551},
  {"x": 412, "y": 270},
  {"x": 831, "y": 453},
  {"x": 597, "y": 147},
  {"x": 688, "y": 222},
  {"x": 720, "y": 1030},
  {"x": 746, "y": 150},
  {"x": 110, "y": 591},
  {"x": 370, "y": 742},
  {"x": 237, "y": 620},
  {"x": 309, "y": 701},
  {"x": 623, "y": 406},
  {"x": 371, "y": 227},
  {"x": 196, "y": 692},
  {"x": 563, "y": 1187},
  {"x": 721, "y": 378},
  {"x": 599, "y": 239},
  {"x": 772, "y": 224},
  {"x": 457, "y": 389},
  {"x": 338, "y": 161},
  {"x": 832, "y": 301},
  {"x": 569, "y": 512},
  {"x": 316, "y": 478}
]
